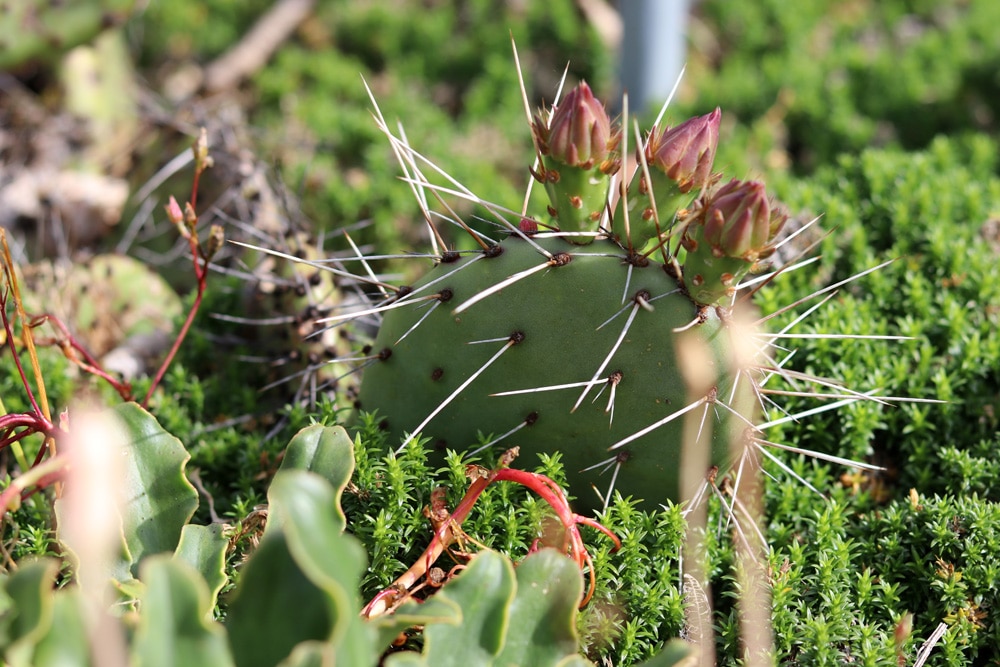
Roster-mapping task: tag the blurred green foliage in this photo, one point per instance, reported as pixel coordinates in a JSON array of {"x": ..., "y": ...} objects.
[
  {"x": 443, "y": 69},
  {"x": 828, "y": 77}
]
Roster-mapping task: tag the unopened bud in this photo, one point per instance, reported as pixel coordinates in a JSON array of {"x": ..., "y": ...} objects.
[
  {"x": 216, "y": 238},
  {"x": 738, "y": 219},
  {"x": 202, "y": 160},
  {"x": 731, "y": 228},
  {"x": 579, "y": 131},
  {"x": 174, "y": 213},
  {"x": 685, "y": 153},
  {"x": 190, "y": 217},
  {"x": 176, "y": 216}
]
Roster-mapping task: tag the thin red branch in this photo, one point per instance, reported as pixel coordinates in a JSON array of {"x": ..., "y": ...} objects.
[
  {"x": 202, "y": 276},
  {"x": 73, "y": 350},
  {"x": 199, "y": 257},
  {"x": 448, "y": 527},
  {"x": 9, "y": 440},
  {"x": 17, "y": 359}
]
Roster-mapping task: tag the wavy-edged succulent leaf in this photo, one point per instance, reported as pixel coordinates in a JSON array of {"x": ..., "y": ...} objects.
[
  {"x": 527, "y": 618},
  {"x": 275, "y": 607},
  {"x": 300, "y": 584},
  {"x": 309, "y": 509},
  {"x": 175, "y": 626},
  {"x": 28, "y": 610},
  {"x": 66, "y": 642},
  {"x": 543, "y": 614},
  {"x": 325, "y": 450},
  {"x": 159, "y": 499},
  {"x": 204, "y": 549}
]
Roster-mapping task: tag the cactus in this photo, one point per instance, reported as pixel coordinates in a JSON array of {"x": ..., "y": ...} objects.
[{"x": 576, "y": 330}]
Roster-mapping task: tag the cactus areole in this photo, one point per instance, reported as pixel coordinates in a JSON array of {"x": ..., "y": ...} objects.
[{"x": 582, "y": 343}]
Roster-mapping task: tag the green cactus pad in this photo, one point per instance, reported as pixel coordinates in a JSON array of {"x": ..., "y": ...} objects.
[{"x": 546, "y": 330}]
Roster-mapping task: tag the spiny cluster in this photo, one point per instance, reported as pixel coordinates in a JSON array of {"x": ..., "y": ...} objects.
[{"x": 627, "y": 275}]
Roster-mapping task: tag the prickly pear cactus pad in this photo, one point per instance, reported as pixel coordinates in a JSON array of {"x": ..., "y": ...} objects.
[
  {"x": 602, "y": 327},
  {"x": 605, "y": 357}
]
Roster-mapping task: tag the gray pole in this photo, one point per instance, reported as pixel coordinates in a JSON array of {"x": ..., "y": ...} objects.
[{"x": 653, "y": 49}]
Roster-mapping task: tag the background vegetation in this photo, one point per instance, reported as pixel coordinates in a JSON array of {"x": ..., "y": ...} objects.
[{"x": 880, "y": 116}]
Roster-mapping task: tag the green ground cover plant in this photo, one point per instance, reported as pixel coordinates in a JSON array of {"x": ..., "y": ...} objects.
[{"x": 863, "y": 575}]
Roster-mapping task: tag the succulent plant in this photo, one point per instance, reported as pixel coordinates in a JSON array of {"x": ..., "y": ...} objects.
[
  {"x": 594, "y": 327},
  {"x": 296, "y": 600}
]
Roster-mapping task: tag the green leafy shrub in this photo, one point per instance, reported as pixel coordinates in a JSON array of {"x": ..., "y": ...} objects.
[{"x": 831, "y": 78}]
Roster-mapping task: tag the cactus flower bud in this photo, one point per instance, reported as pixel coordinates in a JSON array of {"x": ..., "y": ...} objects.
[
  {"x": 579, "y": 132},
  {"x": 738, "y": 219},
  {"x": 685, "y": 153},
  {"x": 578, "y": 146},
  {"x": 732, "y": 227}
]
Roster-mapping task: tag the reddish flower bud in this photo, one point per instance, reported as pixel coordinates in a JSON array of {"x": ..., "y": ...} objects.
[
  {"x": 779, "y": 216},
  {"x": 528, "y": 226},
  {"x": 579, "y": 131},
  {"x": 177, "y": 217},
  {"x": 685, "y": 153},
  {"x": 738, "y": 219},
  {"x": 174, "y": 213}
]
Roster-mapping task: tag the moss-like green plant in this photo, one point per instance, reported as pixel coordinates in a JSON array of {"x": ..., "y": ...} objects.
[{"x": 811, "y": 84}]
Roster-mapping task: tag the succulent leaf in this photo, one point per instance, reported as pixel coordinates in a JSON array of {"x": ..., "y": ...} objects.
[{"x": 176, "y": 626}]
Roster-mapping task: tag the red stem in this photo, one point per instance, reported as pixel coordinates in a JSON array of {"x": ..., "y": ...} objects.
[
  {"x": 88, "y": 364},
  {"x": 17, "y": 361},
  {"x": 200, "y": 273},
  {"x": 11, "y": 439},
  {"x": 202, "y": 276},
  {"x": 444, "y": 535}
]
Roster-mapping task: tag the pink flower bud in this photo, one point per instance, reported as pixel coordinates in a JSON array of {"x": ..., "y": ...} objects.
[
  {"x": 579, "y": 131},
  {"x": 738, "y": 219},
  {"x": 686, "y": 152},
  {"x": 528, "y": 226},
  {"x": 174, "y": 213}
]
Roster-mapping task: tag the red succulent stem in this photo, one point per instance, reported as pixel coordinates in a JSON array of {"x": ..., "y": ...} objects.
[
  {"x": 17, "y": 362},
  {"x": 201, "y": 274},
  {"x": 73, "y": 351},
  {"x": 447, "y": 530}
]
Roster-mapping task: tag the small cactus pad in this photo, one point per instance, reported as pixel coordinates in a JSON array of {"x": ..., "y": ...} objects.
[
  {"x": 571, "y": 340},
  {"x": 583, "y": 315}
]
